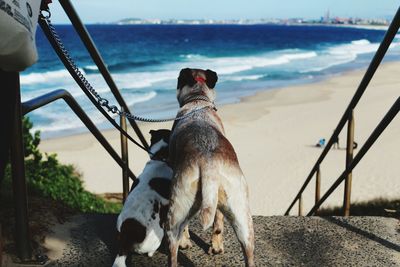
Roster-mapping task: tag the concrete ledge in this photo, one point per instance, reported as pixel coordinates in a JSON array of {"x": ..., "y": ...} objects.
[{"x": 280, "y": 241}]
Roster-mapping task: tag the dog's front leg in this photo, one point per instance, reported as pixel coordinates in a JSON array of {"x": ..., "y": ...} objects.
[{"x": 217, "y": 240}]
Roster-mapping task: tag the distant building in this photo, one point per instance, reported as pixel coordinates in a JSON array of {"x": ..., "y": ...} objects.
[{"x": 326, "y": 18}]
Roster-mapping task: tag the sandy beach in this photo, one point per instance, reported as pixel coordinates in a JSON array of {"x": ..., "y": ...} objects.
[{"x": 274, "y": 133}]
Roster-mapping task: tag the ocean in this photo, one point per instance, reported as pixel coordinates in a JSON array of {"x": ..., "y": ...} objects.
[{"x": 145, "y": 61}]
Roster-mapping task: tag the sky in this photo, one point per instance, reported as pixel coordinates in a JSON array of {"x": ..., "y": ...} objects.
[{"x": 95, "y": 11}]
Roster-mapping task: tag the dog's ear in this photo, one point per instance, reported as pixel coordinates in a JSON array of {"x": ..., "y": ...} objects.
[
  {"x": 185, "y": 78},
  {"x": 166, "y": 134},
  {"x": 153, "y": 137},
  {"x": 157, "y": 135},
  {"x": 211, "y": 78}
]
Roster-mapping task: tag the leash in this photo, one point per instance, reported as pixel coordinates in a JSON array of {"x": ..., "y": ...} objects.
[{"x": 101, "y": 103}]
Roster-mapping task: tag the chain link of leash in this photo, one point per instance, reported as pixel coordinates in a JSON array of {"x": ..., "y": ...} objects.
[{"x": 100, "y": 100}]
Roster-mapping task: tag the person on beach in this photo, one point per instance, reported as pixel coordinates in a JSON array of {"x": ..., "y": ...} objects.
[
  {"x": 336, "y": 143},
  {"x": 321, "y": 143}
]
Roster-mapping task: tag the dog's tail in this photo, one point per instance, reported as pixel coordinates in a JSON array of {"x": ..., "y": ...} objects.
[{"x": 209, "y": 192}]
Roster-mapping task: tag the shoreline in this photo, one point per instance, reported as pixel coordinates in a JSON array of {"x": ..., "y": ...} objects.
[
  {"x": 274, "y": 135},
  {"x": 300, "y": 82},
  {"x": 149, "y": 84},
  {"x": 356, "y": 26}
]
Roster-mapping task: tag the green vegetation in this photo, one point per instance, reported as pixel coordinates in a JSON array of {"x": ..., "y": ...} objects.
[
  {"x": 374, "y": 207},
  {"x": 47, "y": 177}
]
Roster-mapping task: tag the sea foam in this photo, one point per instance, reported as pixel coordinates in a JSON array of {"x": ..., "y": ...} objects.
[{"x": 142, "y": 80}]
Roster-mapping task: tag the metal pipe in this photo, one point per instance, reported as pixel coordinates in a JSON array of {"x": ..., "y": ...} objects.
[
  {"x": 349, "y": 158},
  {"x": 77, "y": 79},
  {"x": 7, "y": 95},
  {"x": 301, "y": 205},
  {"x": 24, "y": 250},
  {"x": 45, "y": 99},
  {"x": 363, "y": 150},
  {"x": 124, "y": 156},
  {"x": 318, "y": 185},
  {"x": 380, "y": 53},
  {"x": 94, "y": 53}
]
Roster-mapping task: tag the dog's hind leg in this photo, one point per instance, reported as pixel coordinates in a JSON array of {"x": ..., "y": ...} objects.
[
  {"x": 123, "y": 250},
  {"x": 174, "y": 229},
  {"x": 132, "y": 232},
  {"x": 238, "y": 214},
  {"x": 209, "y": 194},
  {"x": 180, "y": 208},
  {"x": 120, "y": 261},
  {"x": 217, "y": 241}
]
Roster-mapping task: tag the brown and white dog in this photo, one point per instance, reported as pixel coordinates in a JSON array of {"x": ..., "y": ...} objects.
[
  {"x": 140, "y": 223},
  {"x": 207, "y": 177}
]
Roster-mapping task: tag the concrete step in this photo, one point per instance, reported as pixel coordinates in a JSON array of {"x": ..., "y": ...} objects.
[{"x": 280, "y": 241}]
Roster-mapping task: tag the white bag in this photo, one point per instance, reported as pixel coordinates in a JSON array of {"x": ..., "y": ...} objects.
[{"x": 18, "y": 23}]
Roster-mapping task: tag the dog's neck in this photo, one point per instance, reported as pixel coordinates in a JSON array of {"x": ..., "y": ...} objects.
[{"x": 193, "y": 98}]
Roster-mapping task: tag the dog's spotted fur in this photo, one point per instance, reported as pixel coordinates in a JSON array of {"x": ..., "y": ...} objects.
[
  {"x": 207, "y": 175},
  {"x": 140, "y": 223}
]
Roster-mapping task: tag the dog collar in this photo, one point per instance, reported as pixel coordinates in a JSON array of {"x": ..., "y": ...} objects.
[
  {"x": 200, "y": 79},
  {"x": 158, "y": 158},
  {"x": 199, "y": 97}
]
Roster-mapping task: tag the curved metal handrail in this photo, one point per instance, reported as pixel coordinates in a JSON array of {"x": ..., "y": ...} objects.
[{"x": 48, "y": 98}]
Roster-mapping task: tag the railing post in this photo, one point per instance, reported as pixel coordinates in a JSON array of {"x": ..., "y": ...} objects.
[
  {"x": 349, "y": 159},
  {"x": 124, "y": 157},
  {"x": 301, "y": 205},
  {"x": 317, "y": 186},
  {"x": 24, "y": 250}
]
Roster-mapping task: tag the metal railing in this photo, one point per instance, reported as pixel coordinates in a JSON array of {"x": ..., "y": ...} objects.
[
  {"x": 48, "y": 98},
  {"x": 348, "y": 117},
  {"x": 14, "y": 110},
  {"x": 13, "y": 118}
]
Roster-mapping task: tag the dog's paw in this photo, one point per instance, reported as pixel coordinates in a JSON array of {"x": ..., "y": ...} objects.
[
  {"x": 185, "y": 243},
  {"x": 217, "y": 243},
  {"x": 215, "y": 250},
  {"x": 217, "y": 246}
]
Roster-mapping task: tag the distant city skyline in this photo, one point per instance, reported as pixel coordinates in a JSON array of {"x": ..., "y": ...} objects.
[{"x": 94, "y": 11}]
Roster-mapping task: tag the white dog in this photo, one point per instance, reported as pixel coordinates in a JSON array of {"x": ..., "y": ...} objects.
[{"x": 140, "y": 224}]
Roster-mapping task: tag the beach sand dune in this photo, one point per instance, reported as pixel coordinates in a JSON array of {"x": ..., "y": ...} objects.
[{"x": 274, "y": 133}]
